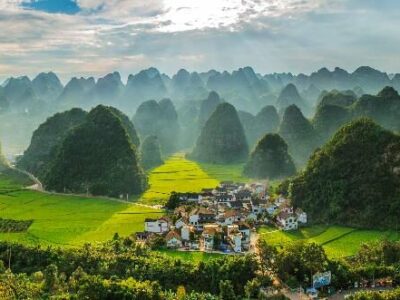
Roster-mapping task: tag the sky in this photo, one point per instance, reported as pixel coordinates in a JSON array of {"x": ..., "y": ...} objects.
[{"x": 95, "y": 37}]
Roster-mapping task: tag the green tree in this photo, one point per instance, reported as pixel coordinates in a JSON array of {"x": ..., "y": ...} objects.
[
  {"x": 222, "y": 139},
  {"x": 270, "y": 159},
  {"x": 226, "y": 290}
]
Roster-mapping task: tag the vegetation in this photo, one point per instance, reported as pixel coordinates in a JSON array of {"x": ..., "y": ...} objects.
[
  {"x": 3, "y": 161},
  {"x": 328, "y": 119},
  {"x": 97, "y": 157},
  {"x": 70, "y": 221},
  {"x": 119, "y": 268},
  {"x": 46, "y": 140},
  {"x": 266, "y": 121},
  {"x": 353, "y": 180},
  {"x": 222, "y": 139},
  {"x": 159, "y": 119},
  {"x": 337, "y": 241},
  {"x": 298, "y": 133},
  {"x": 7, "y": 225},
  {"x": 376, "y": 295},
  {"x": 270, "y": 159},
  {"x": 150, "y": 153},
  {"x": 290, "y": 96},
  {"x": 176, "y": 174}
]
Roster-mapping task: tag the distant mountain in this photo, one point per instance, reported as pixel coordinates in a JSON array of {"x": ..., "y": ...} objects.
[
  {"x": 207, "y": 107},
  {"x": 47, "y": 86},
  {"x": 4, "y": 103},
  {"x": 145, "y": 85},
  {"x": 384, "y": 108},
  {"x": 76, "y": 92},
  {"x": 299, "y": 134},
  {"x": 354, "y": 179},
  {"x": 339, "y": 98},
  {"x": 265, "y": 121},
  {"x": 185, "y": 85},
  {"x": 45, "y": 140},
  {"x": 222, "y": 139},
  {"x": 369, "y": 79},
  {"x": 108, "y": 89},
  {"x": 289, "y": 96},
  {"x": 328, "y": 119},
  {"x": 270, "y": 159},
  {"x": 243, "y": 87},
  {"x": 21, "y": 95},
  {"x": 150, "y": 153},
  {"x": 159, "y": 119},
  {"x": 93, "y": 155},
  {"x": 14, "y": 88}
]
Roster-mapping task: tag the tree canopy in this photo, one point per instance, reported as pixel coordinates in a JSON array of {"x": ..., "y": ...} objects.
[
  {"x": 46, "y": 138},
  {"x": 298, "y": 133},
  {"x": 222, "y": 139},
  {"x": 354, "y": 179},
  {"x": 270, "y": 159},
  {"x": 150, "y": 152},
  {"x": 97, "y": 157}
]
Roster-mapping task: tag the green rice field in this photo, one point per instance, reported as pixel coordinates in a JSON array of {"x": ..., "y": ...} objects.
[
  {"x": 70, "y": 221},
  {"x": 182, "y": 175},
  {"x": 338, "y": 241}
]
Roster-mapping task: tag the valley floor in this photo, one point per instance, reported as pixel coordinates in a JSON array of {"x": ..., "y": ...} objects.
[{"x": 69, "y": 221}]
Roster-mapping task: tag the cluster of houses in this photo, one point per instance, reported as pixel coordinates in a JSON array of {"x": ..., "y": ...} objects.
[{"x": 223, "y": 218}]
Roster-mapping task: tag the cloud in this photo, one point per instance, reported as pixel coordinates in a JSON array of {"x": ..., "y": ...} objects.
[{"x": 273, "y": 35}]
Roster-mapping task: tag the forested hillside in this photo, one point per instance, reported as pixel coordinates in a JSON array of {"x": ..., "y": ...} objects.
[{"x": 354, "y": 179}]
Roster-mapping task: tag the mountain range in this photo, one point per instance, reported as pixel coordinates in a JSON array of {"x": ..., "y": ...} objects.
[{"x": 246, "y": 89}]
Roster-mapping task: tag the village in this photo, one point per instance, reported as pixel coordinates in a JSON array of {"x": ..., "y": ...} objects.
[{"x": 223, "y": 219}]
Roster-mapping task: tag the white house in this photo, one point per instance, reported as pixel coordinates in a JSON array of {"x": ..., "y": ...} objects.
[
  {"x": 235, "y": 237},
  {"x": 156, "y": 225},
  {"x": 287, "y": 221},
  {"x": 237, "y": 242},
  {"x": 201, "y": 215},
  {"x": 180, "y": 223},
  {"x": 230, "y": 217},
  {"x": 209, "y": 232},
  {"x": 271, "y": 209},
  {"x": 185, "y": 232},
  {"x": 301, "y": 216},
  {"x": 173, "y": 239},
  {"x": 245, "y": 230}
]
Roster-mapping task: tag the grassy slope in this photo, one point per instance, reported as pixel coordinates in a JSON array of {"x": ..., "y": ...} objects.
[{"x": 338, "y": 241}]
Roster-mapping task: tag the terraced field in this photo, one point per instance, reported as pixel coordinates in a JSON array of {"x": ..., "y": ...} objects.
[{"x": 338, "y": 241}]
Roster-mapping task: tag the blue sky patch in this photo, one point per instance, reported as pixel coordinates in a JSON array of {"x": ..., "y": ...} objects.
[{"x": 53, "y": 6}]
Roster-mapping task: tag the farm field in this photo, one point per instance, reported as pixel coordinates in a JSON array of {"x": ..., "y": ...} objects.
[
  {"x": 338, "y": 241},
  {"x": 70, "y": 220},
  {"x": 182, "y": 175}
]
